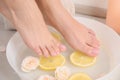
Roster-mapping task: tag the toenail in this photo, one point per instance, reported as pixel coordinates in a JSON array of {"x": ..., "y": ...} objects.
[
  {"x": 54, "y": 54},
  {"x": 57, "y": 52},
  {"x": 63, "y": 47},
  {"x": 95, "y": 51}
]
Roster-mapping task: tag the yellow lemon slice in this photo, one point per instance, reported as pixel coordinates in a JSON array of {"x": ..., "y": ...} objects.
[
  {"x": 56, "y": 35},
  {"x": 52, "y": 62},
  {"x": 82, "y": 60},
  {"x": 80, "y": 76}
]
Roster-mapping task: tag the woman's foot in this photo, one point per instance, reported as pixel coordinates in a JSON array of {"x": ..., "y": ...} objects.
[
  {"x": 76, "y": 34},
  {"x": 29, "y": 22}
]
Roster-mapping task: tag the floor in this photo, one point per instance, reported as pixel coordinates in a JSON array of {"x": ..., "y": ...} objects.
[{"x": 6, "y": 72}]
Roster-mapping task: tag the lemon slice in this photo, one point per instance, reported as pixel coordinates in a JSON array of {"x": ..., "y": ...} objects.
[
  {"x": 56, "y": 35},
  {"x": 82, "y": 60},
  {"x": 52, "y": 62},
  {"x": 80, "y": 76}
]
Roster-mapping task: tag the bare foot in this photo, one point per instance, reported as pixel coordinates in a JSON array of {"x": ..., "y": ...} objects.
[
  {"x": 76, "y": 34},
  {"x": 29, "y": 22}
]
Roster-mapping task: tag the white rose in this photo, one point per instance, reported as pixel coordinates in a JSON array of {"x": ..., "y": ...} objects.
[
  {"x": 62, "y": 73},
  {"x": 46, "y": 77},
  {"x": 29, "y": 63}
]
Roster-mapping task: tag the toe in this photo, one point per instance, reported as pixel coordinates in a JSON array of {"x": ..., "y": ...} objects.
[
  {"x": 93, "y": 42},
  {"x": 90, "y": 50},
  {"x": 38, "y": 50},
  {"x": 96, "y": 42},
  {"x": 56, "y": 49},
  {"x": 91, "y": 32},
  {"x": 45, "y": 51},
  {"x": 51, "y": 51},
  {"x": 62, "y": 47}
]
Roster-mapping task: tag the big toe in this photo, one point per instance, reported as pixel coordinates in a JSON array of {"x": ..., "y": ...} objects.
[
  {"x": 54, "y": 49},
  {"x": 90, "y": 51},
  {"x": 59, "y": 45},
  {"x": 62, "y": 47}
]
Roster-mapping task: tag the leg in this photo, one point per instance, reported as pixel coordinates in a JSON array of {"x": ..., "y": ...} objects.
[
  {"x": 28, "y": 20},
  {"x": 4, "y": 9},
  {"x": 76, "y": 34},
  {"x": 113, "y": 15}
]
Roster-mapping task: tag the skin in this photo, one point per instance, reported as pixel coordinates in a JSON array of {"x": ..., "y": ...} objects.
[
  {"x": 78, "y": 36},
  {"x": 35, "y": 33},
  {"x": 113, "y": 15},
  {"x": 32, "y": 28}
]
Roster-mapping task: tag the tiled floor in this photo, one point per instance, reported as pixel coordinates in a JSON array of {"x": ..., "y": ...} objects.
[{"x": 6, "y": 72}]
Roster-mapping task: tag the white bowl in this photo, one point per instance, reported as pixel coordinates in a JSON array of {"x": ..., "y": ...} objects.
[{"x": 107, "y": 60}]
